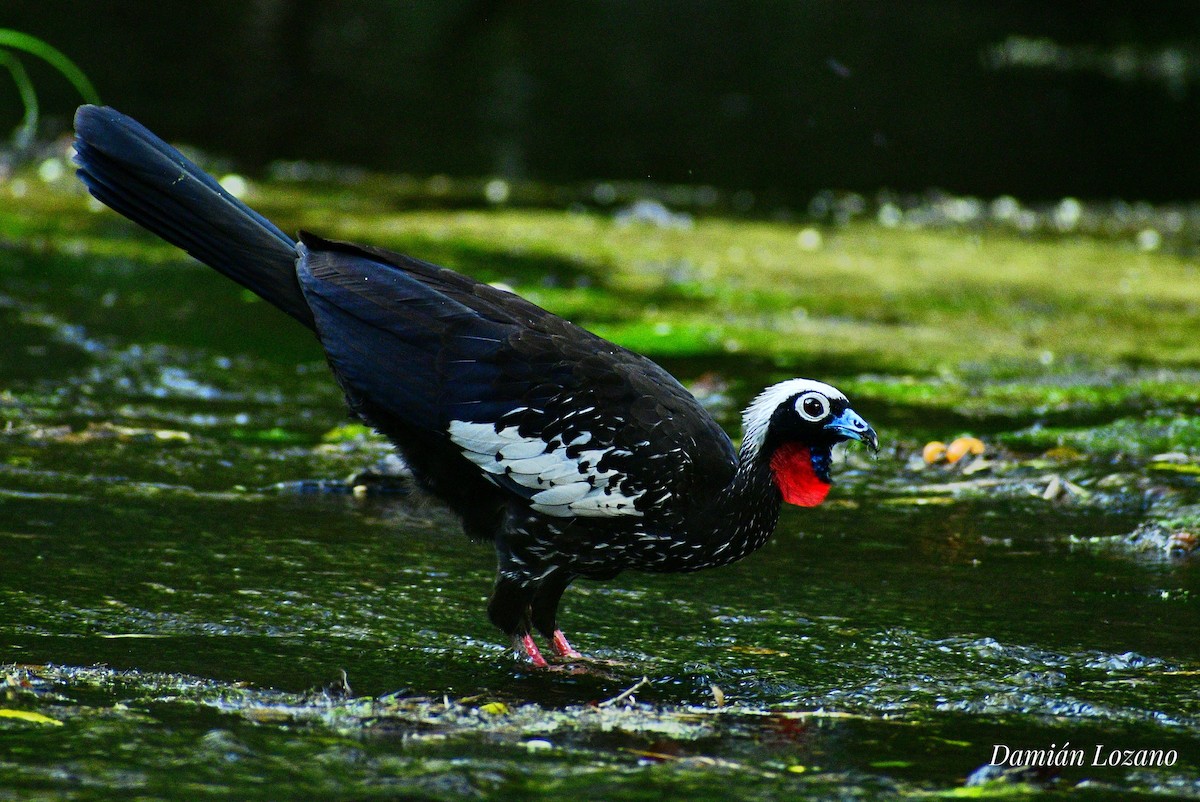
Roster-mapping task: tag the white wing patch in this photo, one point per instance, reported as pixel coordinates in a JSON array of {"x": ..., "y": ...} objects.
[{"x": 564, "y": 486}]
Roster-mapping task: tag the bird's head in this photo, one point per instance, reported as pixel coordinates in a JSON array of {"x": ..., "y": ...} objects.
[{"x": 792, "y": 427}]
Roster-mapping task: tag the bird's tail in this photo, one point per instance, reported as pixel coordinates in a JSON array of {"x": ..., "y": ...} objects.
[{"x": 134, "y": 172}]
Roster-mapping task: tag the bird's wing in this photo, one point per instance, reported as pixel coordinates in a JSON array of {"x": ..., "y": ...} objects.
[{"x": 546, "y": 410}]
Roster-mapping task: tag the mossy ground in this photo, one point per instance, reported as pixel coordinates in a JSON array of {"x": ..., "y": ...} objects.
[{"x": 899, "y": 300}]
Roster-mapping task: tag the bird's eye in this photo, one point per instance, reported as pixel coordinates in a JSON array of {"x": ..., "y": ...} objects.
[{"x": 812, "y": 406}]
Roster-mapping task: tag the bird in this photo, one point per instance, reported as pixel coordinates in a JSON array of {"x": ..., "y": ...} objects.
[{"x": 574, "y": 457}]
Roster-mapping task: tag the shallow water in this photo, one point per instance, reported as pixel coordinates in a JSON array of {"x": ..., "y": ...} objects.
[{"x": 188, "y": 624}]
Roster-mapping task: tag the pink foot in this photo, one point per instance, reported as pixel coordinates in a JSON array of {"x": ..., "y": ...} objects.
[
  {"x": 562, "y": 648},
  {"x": 531, "y": 649}
]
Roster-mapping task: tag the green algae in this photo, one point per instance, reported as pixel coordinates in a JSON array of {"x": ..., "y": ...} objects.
[
  {"x": 1138, "y": 437},
  {"x": 893, "y": 300}
]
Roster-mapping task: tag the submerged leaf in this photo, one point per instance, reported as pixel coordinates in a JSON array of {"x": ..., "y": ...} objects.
[
  {"x": 29, "y": 716},
  {"x": 495, "y": 708}
]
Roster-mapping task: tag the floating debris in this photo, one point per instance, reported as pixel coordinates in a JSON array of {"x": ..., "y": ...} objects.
[
  {"x": 653, "y": 212},
  {"x": 1167, "y": 539},
  {"x": 93, "y": 432},
  {"x": 809, "y": 239}
]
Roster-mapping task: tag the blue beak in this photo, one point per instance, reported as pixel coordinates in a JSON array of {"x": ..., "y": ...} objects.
[{"x": 849, "y": 426}]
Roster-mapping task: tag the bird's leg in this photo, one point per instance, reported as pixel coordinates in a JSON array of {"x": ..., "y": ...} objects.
[
  {"x": 525, "y": 642},
  {"x": 544, "y": 610},
  {"x": 563, "y": 647},
  {"x": 508, "y": 609},
  {"x": 519, "y": 603}
]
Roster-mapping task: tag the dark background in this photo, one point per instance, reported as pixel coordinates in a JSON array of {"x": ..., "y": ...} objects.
[{"x": 1038, "y": 99}]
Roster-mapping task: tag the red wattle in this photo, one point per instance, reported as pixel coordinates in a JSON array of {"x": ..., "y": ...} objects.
[{"x": 792, "y": 467}]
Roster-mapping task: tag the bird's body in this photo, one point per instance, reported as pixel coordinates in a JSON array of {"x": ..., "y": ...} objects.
[{"x": 577, "y": 458}]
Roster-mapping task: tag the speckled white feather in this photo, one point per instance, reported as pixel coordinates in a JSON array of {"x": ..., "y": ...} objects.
[
  {"x": 522, "y": 449},
  {"x": 757, "y": 416},
  {"x": 557, "y": 495},
  {"x": 566, "y": 486}
]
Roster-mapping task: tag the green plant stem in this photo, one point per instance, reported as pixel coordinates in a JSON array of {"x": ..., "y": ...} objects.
[
  {"x": 25, "y": 132},
  {"x": 54, "y": 57}
]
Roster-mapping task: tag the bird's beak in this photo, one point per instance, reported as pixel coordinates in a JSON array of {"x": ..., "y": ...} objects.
[{"x": 850, "y": 426}]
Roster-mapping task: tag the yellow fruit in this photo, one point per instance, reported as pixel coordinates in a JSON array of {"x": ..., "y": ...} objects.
[
  {"x": 963, "y": 446},
  {"x": 933, "y": 452}
]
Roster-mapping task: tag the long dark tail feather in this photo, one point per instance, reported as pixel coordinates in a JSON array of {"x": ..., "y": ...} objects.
[{"x": 135, "y": 173}]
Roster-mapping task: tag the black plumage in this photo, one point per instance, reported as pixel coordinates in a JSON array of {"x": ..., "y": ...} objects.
[{"x": 576, "y": 457}]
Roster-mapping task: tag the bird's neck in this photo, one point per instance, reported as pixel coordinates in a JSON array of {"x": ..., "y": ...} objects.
[{"x": 742, "y": 517}]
